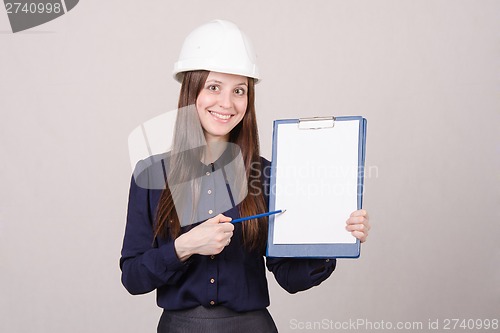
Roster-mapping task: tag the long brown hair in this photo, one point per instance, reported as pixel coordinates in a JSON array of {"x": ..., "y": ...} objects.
[{"x": 245, "y": 135}]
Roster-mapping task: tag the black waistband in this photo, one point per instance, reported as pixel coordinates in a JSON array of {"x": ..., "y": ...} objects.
[{"x": 210, "y": 313}]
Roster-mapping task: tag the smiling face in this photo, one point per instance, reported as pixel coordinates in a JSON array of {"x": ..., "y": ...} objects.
[{"x": 221, "y": 104}]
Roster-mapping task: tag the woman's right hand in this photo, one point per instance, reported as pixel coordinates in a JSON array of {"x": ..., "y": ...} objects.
[{"x": 208, "y": 238}]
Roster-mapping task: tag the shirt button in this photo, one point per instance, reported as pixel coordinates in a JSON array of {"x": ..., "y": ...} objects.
[
  {"x": 212, "y": 280},
  {"x": 212, "y": 302},
  {"x": 210, "y": 211},
  {"x": 208, "y": 173},
  {"x": 212, "y": 257},
  {"x": 327, "y": 260},
  {"x": 209, "y": 191}
]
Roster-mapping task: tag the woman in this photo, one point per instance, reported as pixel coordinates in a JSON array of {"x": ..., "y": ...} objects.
[{"x": 210, "y": 274}]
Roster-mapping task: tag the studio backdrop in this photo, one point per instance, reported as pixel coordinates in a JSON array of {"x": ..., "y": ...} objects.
[{"x": 425, "y": 74}]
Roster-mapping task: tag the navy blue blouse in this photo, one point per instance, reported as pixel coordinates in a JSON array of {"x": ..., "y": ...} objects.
[{"x": 235, "y": 278}]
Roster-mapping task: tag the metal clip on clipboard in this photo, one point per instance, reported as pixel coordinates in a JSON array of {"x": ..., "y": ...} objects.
[{"x": 316, "y": 122}]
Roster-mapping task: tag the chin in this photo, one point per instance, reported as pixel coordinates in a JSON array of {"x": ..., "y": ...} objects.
[{"x": 217, "y": 134}]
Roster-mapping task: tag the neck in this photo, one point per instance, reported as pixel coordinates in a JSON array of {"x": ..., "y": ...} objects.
[{"x": 214, "y": 149}]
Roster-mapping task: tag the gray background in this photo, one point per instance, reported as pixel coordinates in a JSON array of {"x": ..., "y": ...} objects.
[{"x": 424, "y": 73}]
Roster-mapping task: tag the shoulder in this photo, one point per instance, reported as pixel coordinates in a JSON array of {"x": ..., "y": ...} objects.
[
  {"x": 265, "y": 163},
  {"x": 150, "y": 173},
  {"x": 265, "y": 170}
]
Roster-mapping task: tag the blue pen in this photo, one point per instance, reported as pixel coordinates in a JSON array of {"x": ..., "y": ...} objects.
[{"x": 241, "y": 219}]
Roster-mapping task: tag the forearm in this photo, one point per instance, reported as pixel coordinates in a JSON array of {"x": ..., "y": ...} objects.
[{"x": 147, "y": 271}]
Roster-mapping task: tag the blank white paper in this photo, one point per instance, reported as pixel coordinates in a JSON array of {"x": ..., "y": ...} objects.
[{"x": 316, "y": 182}]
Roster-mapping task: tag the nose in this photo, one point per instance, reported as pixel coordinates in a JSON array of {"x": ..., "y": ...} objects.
[{"x": 225, "y": 99}]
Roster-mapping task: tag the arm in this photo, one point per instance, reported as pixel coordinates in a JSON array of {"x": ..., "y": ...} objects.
[
  {"x": 295, "y": 275},
  {"x": 208, "y": 238},
  {"x": 145, "y": 266}
]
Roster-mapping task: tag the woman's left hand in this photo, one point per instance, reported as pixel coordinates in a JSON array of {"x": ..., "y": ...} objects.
[{"x": 358, "y": 224}]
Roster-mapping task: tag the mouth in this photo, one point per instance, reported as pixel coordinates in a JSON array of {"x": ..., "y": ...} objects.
[{"x": 220, "y": 116}]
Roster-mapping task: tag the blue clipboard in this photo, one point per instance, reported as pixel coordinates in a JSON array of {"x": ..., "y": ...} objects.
[{"x": 289, "y": 243}]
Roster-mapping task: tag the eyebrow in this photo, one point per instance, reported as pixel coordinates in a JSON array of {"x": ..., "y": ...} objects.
[{"x": 220, "y": 82}]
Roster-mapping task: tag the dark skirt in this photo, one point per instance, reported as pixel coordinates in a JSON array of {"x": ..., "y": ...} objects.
[{"x": 215, "y": 320}]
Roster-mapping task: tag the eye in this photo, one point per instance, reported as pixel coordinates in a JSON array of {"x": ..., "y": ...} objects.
[
  {"x": 239, "y": 91},
  {"x": 213, "y": 87}
]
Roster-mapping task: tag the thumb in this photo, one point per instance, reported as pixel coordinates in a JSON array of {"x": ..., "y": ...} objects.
[{"x": 219, "y": 219}]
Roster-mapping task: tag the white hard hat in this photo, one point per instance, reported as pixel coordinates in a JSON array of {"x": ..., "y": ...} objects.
[{"x": 218, "y": 46}]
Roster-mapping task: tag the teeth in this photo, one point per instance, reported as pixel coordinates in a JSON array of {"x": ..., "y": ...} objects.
[{"x": 221, "y": 116}]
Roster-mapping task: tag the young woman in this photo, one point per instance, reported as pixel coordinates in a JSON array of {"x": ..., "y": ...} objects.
[{"x": 209, "y": 274}]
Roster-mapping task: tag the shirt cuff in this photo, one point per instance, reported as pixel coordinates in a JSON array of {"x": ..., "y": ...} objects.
[{"x": 172, "y": 262}]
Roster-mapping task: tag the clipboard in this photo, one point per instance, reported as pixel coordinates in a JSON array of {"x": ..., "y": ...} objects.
[{"x": 317, "y": 175}]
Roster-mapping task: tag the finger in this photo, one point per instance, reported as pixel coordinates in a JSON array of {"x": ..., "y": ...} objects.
[
  {"x": 359, "y": 235},
  {"x": 223, "y": 218},
  {"x": 226, "y": 227},
  {"x": 359, "y": 212},
  {"x": 364, "y": 227},
  {"x": 357, "y": 227},
  {"x": 357, "y": 220},
  {"x": 218, "y": 219},
  {"x": 213, "y": 220}
]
